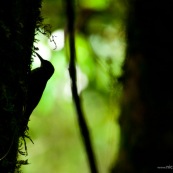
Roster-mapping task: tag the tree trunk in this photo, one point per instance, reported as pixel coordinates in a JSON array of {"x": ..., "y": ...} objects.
[
  {"x": 147, "y": 105},
  {"x": 18, "y": 21}
]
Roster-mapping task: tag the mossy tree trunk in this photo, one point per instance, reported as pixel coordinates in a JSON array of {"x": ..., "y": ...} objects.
[
  {"x": 18, "y": 21},
  {"x": 146, "y": 120}
]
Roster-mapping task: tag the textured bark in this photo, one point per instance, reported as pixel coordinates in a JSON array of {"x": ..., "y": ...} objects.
[
  {"x": 18, "y": 21},
  {"x": 147, "y": 104}
]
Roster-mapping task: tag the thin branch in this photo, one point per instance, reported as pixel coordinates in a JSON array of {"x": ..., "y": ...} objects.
[{"x": 72, "y": 71}]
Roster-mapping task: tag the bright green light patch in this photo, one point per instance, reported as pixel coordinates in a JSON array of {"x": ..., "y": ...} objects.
[
  {"x": 96, "y": 4},
  {"x": 84, "y": 56}
]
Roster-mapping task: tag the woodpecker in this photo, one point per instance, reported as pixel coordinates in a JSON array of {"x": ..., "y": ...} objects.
[{"x": 37, "y": 82}]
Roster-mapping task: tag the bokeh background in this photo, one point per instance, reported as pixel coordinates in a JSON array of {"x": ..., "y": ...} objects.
[{"x": 100, "y": 47}]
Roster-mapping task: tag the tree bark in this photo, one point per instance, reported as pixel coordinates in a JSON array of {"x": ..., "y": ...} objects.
[
  {"x": 147, "y": 103},
  {"x": 18, "y": 21}
]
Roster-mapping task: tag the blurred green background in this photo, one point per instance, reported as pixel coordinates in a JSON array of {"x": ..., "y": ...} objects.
[{"x": 100, "y": 47}]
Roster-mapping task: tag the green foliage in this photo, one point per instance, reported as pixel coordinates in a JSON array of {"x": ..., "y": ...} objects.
[{"x": 100, "y": 53}]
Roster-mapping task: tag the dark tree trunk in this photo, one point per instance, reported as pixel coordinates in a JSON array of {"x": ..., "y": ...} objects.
[
  {"x": 18, "y": 21},
  {"x": 146, "y": 120}
]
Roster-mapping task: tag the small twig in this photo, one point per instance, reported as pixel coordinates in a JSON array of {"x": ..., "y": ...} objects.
[
  {"x": 72, "y": 71},
  {"x": 53, "y": 40}
]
